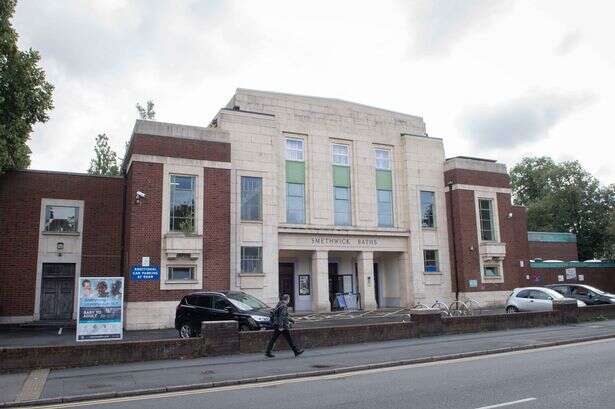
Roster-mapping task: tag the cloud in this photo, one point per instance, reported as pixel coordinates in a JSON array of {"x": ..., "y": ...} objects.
[
  {"x": 569, "y": 42},
  {"x": 436, "y": 25},
  {"x": 520, "y": 121}
]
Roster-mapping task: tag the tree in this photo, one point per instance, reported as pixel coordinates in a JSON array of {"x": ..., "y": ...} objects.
[
  {"x": 565, "y": 197},
  {"x": 25, "y": 95},
  {"x": 105, "y": 162},
  {"x": 148, "y": 112}
]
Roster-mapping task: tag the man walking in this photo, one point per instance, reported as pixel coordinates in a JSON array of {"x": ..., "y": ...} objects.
[{"x": 281, "y": 323}]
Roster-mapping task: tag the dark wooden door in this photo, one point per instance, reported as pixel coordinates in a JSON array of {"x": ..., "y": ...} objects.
[
  {"x": 287, "y": 281},
  {"x": 57, "y": 291},
  {"x": 376, "y": 285}
]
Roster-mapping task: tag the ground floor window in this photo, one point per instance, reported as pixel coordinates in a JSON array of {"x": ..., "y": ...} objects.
[
  {"x": 178, "y": 273},
  {"x": 430, "y": 258},
  {"x": 492, "y": 271},
  {"x": 251, "y": 259}
]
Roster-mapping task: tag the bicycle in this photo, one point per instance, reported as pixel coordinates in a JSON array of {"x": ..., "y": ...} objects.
[
  {"x": 444, "y": 310},
  {"x": 463, "y": 308}
]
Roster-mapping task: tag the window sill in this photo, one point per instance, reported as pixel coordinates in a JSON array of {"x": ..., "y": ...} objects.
[
  {"x": 59, "y": 233},
  {"x": 251, "y": 274},
  {"x": 428, "y": 228},
  {"x": 181, "y": 234},
  {"x": 181, "y": 282},
  {"x": 252, "y": 221},
  {"x": 433, "y": 273}
]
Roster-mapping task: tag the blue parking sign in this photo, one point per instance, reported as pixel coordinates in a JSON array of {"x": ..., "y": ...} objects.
[{"x": 141, "y": 273}]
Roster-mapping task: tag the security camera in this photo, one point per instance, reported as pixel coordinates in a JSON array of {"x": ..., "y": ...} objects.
[{"x": 140, "y": 195}]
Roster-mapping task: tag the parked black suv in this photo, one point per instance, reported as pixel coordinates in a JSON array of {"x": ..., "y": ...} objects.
[
  {"x": 588, "y": 294},
  {"x": 248, "y": 311}
]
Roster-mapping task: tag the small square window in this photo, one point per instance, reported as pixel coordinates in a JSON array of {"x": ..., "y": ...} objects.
[
  {"x": 61, "y": 219},
  {"x": 430, "y": 258},
  {"x": 294, "y": 149},
  {"x": 491, "y": 271},
  {"x": 251, "y": 259},
  {"x": 181, "y": 273},
  {"x": 340, "y": 154},
  {"x": 383, "y": 159}
]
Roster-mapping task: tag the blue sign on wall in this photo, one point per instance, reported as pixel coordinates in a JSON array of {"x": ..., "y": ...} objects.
[{"x": 140, "y": 273}]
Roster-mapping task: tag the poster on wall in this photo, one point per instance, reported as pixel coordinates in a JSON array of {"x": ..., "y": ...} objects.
[
  {"x": 560, "y": 278},
  {"x": 571, "y": 273},
  {"x": 101, "y": 306},
  {"x": 304, "y": 285}
]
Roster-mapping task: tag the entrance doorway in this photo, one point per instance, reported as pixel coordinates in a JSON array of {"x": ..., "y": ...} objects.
[
  {"x": 287, "y": 281},
  {"x": 57, "y": 288}
]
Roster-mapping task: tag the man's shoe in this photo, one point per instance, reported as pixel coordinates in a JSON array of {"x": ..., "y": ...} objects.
[
  {"x": 298, "y": 352},
  {"x": 269, "y": 355}
]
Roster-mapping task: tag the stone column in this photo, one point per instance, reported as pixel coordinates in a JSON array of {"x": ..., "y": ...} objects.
[
  {"x": 320, "y": 281},
  {"x": 406, "y": 298},
  {"x": 365, "y": 273}
]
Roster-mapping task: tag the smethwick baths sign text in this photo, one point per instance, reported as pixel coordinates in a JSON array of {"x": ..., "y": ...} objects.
[{"x": 343, "y": 241}]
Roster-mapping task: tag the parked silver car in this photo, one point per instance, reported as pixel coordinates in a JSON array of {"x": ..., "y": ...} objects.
[{"x": 534, "y": 299}]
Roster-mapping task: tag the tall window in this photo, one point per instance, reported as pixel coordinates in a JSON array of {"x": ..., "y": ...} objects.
[
  {"x": 341, "y": 184},
  {"x": 251, "y": 198},
  {"x": 384, "y": 187},
  {"x": 182, "y": 203},
  {"x": 383, "y": 159},
  {"x": 430, "y": 258},
  {"x": 61, "y": 219},
  {"x": 251, "y": 259},
  {"x": 340, "y": 155},
  {"x": 428, "y": 209},
  {"x": 485, "y": 209},
  {"x": 294, "y": 149},
  {"x": 385, "y": 208},
  {"x": 295, "y": 203},
  {"x": 492, "y": 271},
  {"x": 342, "y": 206}
]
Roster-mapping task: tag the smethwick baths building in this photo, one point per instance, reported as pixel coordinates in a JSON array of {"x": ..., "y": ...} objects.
[{"x": 340, "y": 205}]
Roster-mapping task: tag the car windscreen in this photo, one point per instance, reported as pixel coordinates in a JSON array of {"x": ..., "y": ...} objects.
[
  {"x": 597, "y": 291},
  {"x": 245, "y": 302}
]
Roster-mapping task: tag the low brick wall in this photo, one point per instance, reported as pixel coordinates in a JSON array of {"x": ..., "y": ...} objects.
[
  {"x": 596, "y": 312},
  {"x": 251, "y": 342},
  {"x": 498, "y": 322},
  {"x": 13, "y": 359}
]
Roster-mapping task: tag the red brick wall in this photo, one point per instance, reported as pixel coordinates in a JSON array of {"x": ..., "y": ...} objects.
[
  {"x": 554, "y": 251},
  {"x": 180, "y": 148},
  {"x": 144, "y": 225},
  {"x": 602, "y": 278},
  {"x": 20, "y": 205},
  {"x": 465, "y": 252},
  {"x": 476, "y": 177}
]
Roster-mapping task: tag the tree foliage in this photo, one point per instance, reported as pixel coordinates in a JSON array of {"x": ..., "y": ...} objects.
[
  {"x": 147, "y": 112},
  {"x": 105, "y": 162},
  {"x": 565, "y": 197},
  {"x": 25, "y": 95}
]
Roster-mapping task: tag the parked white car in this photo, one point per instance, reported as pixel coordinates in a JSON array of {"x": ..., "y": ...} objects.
[{"x": 534, "y": 299}]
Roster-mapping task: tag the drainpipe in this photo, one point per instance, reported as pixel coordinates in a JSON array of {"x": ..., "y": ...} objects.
[
  {"x": 123, "y": 227},
  {"x": 450, "y": 190}
]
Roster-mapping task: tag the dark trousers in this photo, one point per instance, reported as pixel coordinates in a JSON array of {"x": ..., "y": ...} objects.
[{"x": 276, "y": 334}]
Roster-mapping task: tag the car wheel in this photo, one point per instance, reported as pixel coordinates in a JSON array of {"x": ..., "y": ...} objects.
[
  {"x": 512, "y": 309},
  {"x": 186, "y": 331}
]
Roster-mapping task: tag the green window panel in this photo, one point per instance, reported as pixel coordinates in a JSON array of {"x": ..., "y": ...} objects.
[
  {"x": 295, "y": 172},
  {"x": 341, "y": 176},
  {"x": 384, "y": 181}
]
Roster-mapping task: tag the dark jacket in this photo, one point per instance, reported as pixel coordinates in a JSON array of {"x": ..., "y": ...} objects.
[{"x": 281, "y": 320}]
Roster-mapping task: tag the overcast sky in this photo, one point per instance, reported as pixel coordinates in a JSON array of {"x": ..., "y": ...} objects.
[{"x": 497, "y": 79}]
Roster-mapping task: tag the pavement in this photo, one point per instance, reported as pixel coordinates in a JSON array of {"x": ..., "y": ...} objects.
[
  {"x": 166, "y": 374},
  {"x": 573, "y": 376}
]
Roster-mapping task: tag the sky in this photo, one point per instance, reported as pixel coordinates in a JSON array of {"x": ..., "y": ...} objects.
[{"x": 495, "y": 79}]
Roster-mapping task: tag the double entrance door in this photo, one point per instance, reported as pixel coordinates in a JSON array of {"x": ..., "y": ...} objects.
[{"x": 57, "y": 291}]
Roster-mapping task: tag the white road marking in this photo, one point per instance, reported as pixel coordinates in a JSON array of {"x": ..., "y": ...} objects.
[
  {"x": 501, "y": 405},
  {"x": 313, "y": 378}
]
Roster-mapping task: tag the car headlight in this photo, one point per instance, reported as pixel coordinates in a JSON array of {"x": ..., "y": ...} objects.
[
  {"x": 259, "y": 318},
  {"x": 612, "y": 300}
]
